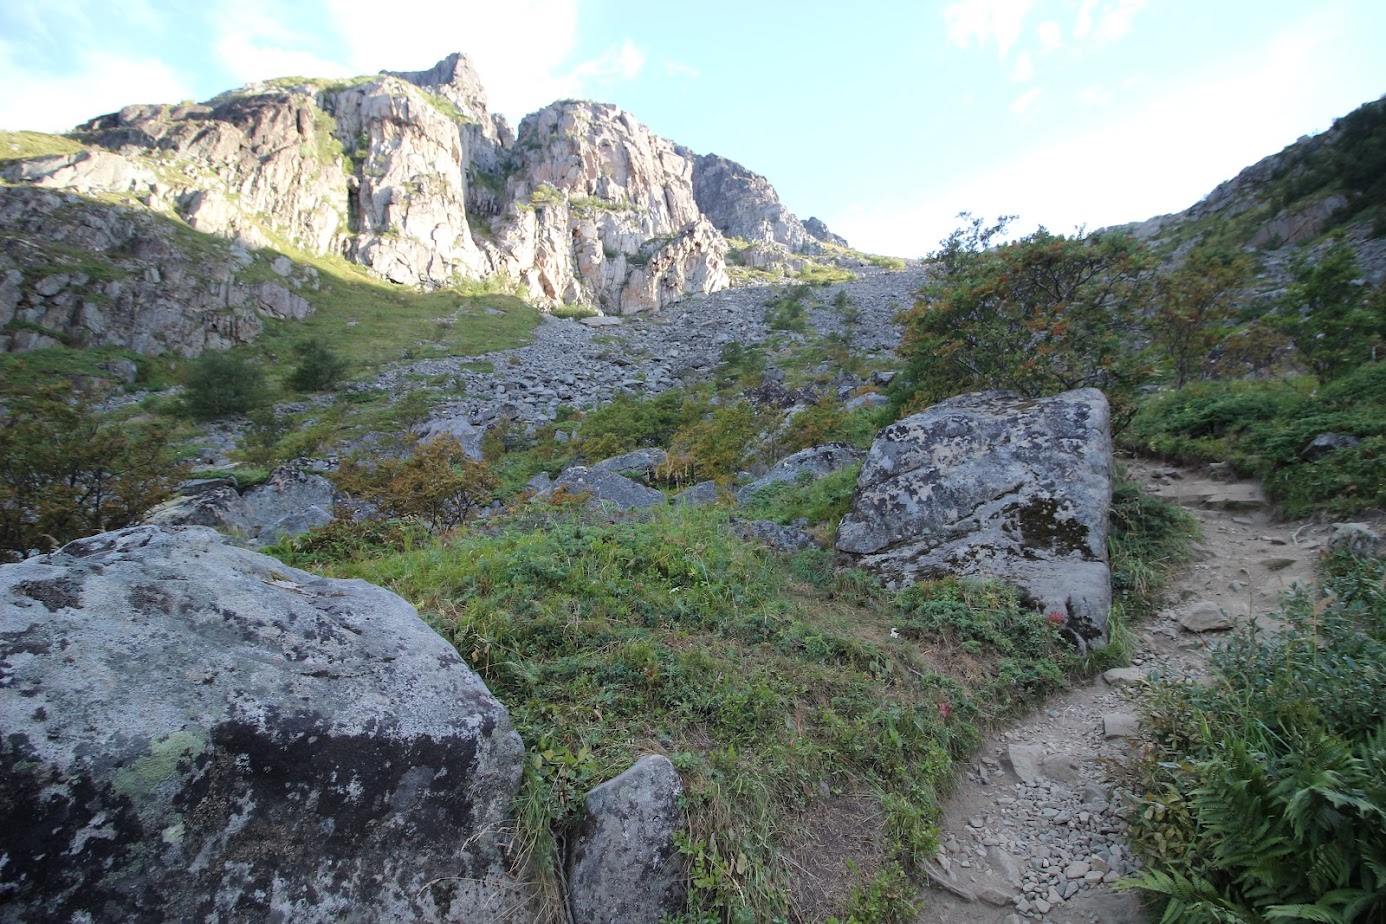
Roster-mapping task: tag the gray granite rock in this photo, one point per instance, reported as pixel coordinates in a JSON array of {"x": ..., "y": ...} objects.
[
  {"x": 992, "y": 485},
  {"x": 623, "y": 864},
  {"x": 194, "y": 731}
]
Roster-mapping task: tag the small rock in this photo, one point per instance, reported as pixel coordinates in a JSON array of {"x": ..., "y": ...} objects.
[
  {"x": 1120, "y": 725},
  {"x": 1124, "y": 676},
  {"x": 1204, "y": 616}
]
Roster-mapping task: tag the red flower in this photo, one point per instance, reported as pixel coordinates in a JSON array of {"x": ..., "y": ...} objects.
[
  {"x": 945, "y": 709},
  {"x": 1056, "y": 618}
]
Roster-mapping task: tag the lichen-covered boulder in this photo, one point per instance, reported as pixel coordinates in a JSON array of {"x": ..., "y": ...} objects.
[
  {"x": 191, "y": 731},
  {"x": 623, "y": 865},
  {"x": 992, "y": 485}
]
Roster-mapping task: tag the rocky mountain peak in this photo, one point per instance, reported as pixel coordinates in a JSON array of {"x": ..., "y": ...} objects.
[
  {"x": 743, "y": 204},
  {"x": 455, "y": 80}
]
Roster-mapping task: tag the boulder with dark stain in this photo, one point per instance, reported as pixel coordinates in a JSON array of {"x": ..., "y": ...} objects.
[
  {"x": 991, "y": 485},
  {"x": 193, "y": 731}
]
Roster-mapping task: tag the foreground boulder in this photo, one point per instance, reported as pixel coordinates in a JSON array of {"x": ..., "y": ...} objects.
[
  {"x": 193, "y": 731},
  {"x": 991, "y": 485}
]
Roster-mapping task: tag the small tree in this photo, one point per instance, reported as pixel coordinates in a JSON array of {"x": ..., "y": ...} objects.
[
  {"x": 1193, "y": 306},
  {"x": 318, "y": 369},
  {"x": 1333, "y": 318},
  {"x": 1037, "y": 316},
  {"x": 438, "y": 483},
  {"x": 66, "y": 473},
  {"x": 220, "y": 384}
]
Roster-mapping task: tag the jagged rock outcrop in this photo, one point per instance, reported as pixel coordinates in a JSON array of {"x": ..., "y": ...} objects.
[
  {"x": 743, "y": 204},
  {"x": 600, "y": 211},
  {"x": 88, "y": 273},
  {"x": 192, "y": 731},
  {"x": 406, "y": 173},
  {"x": 408, "y": 204},
  {"x": 991, "y": 485},
  {"x": 818, "y": 229},
  {"x": 249, "y": 165},
  {"x": 485, "y": 135}
]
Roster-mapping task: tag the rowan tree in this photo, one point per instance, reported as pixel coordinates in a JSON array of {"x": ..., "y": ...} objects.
[
  {"x": 1194, "y": 306},
  {"x": 67, "y": 472},
  {"x": 1037, "y": 316}
]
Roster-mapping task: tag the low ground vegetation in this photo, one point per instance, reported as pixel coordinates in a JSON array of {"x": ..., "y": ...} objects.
[
  {"x": 1262, "y": 796},
  {"x": 777, "y": 684}
]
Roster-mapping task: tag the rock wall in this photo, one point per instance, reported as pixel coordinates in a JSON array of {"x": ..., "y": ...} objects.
[
  {"x": 88, "y": 273},
  {"x": 743, "y": 204}
]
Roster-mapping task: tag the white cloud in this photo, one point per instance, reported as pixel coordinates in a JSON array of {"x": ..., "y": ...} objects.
[
  {"x": 521, "y": 49},
  {"x": 679, "y": 69},
  {"x": 1095, "y": 95},
  {"x": 1025, "y": 100},
  {"x": 97, "y": 84},
  {"x": 622, "y": 61},
  {"x": 1104, "y": 21},
  {"x": 1116, "y": 21},
  {"x": 1024, "y": 68},
  {"x": 255, "y": 43},
  {"x": 1051, "y": 36},
  {"x": 986, "y": 20}
]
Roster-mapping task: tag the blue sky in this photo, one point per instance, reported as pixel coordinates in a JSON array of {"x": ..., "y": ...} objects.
[{"x": 885, "y": 119}]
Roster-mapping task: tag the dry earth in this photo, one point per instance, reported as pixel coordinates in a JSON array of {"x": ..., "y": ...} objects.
[{"x": 1032, "y": 833}]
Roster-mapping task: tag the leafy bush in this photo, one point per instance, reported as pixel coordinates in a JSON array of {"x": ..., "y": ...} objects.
[
  {"x": 1037, "y": 316},
  {"x": 438, "y": 484},
  {"x": 318, "y": 369},
  {"x": 786, "y": 310},
  {"x": 823, "y": 501},
  {"x": 1262, "y": 796},
  {"x": 714, "y": 447},
  {"x": 628, "y": 423},
  {"x": 574, "y": 312},
  {"x": 1336, "y": 322},
  {"x": 220, "y": 384},
  {"x": 66, "y": 473}
]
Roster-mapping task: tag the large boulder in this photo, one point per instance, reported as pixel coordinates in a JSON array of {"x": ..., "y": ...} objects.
[
  {"x": 192, "y": 731},
  {"x": 992, "y": 485},
  {"x": 623, "y": 865},
  {"x": 291, "y": 501}
]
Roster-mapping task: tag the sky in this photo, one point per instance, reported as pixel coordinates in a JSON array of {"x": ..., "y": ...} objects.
[{"x": 884, "y": 118}]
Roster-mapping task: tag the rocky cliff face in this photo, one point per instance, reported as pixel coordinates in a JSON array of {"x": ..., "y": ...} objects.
[
  {"x": 743, "y": 204},
  {"x": 1330, "y": 181},
  {"x": 408, "y": 174}
]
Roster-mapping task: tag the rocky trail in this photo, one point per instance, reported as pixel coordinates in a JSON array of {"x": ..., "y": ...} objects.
[{"x": 1032, "y": 832}]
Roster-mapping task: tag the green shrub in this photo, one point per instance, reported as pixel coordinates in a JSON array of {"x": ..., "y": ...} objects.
[
  {"x": 628, "y": 423},
  {"x": 319, "y": 367},
  {"x": 438, "y": 484},
  {"x": 716, "y": 446},
  {"x": 220, "y": 384},
  {"x": 1262, "y": 796},
  {"x": 65, "y": 472},
  {"x": 823, "y": 501},
  {"x": 1263, "y": 427}
]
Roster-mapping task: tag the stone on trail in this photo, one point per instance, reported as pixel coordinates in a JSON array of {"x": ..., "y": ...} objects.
[
  {"x": 193, "y": 731},
  {"x": 991, "y": 485},
  {"x": 1204, "y": 616},
  {"x": 1124, "y": 676}
]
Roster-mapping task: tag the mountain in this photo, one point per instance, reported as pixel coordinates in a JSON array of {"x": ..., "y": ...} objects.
[
  {"x": 180, "y": 227},
  {"x": 1331, "y": 182}
]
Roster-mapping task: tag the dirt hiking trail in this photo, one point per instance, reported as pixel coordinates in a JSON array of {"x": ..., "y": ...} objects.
[{"x": 1031, "y": 832}]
